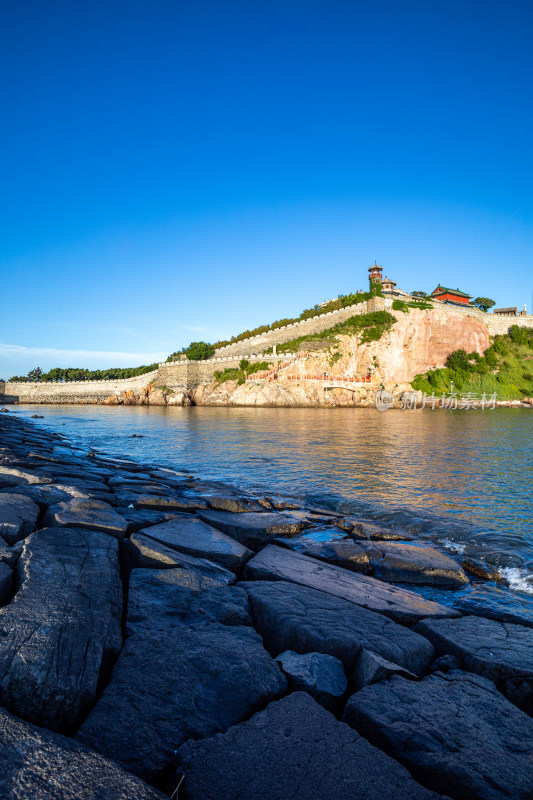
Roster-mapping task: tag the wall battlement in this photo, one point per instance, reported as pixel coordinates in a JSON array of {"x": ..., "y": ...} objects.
[{"x": 187, "y": 375}]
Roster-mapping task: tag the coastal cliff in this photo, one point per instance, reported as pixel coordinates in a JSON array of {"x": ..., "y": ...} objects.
[{"x": 417, "y": 341}]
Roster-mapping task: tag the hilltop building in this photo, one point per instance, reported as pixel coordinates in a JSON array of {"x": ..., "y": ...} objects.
[
  {"x": 388, "y": 286},
  {"x": 454, "y": 297}
]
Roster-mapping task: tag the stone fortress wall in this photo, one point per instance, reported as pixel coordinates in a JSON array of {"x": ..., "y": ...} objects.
[
  {"x": 72, "y": 391},
  {"x": 187, "y": 375}
]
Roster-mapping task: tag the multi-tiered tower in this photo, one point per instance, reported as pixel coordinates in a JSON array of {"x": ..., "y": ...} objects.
[{"x": 375, "y": 277}]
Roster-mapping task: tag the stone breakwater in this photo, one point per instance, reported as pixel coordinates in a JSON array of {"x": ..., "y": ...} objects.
[{"x": 165, "y": 635}]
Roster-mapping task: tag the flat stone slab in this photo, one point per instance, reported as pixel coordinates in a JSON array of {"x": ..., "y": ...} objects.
[
  {"x": 139, "y": 519},
  {"x": 319, "y": 675},
  {"x": 237, "y": 505},
  {"x": 409, "y": 563},
  {"x": 253, "y": 529},
  {"x": 500, "y": 651},
  {"x": 18, "y": 516},
  {"x": 91, "y": 514},
  {"x": 372, "y": 668},
  {"x": 62, "y": 627},
  {"x": 195, "y": 537},
  {"x": 35, "y": 763},
  {"x": 158, "y": 503},
  {"x": 149, "y": 553},
  {"x": 275, "y": 563},
  {"x": 340, "y": 550},
  {"x": 49, "y": 494},
  {"x": 169, "y": 686},
  {"x": 159, "y": 599},
  {"x": 293, "y": 617},
  {"x": 11, "y": 476},
  {"x": 455, "y": 733},
  {"x": 293, "y": 750}
]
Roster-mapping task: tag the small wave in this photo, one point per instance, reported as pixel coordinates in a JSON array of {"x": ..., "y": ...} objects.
[
  {"x": 456, "y": 547},
  {"x": 518, "y": 579}
]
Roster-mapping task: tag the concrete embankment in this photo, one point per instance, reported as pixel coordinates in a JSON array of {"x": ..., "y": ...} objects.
[{"x": 159, "y": 631}]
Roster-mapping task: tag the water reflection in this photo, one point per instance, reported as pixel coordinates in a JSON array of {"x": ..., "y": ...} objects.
[{"x": 462, "y": 477}]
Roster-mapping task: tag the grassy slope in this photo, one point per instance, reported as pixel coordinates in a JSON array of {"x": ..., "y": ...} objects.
[
  {"x": 506, "y": 369},
  {"x": 370, "y": 328}
]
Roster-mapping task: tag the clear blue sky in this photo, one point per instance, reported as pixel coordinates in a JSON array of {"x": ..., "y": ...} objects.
[{"x": 174, "y": 171}]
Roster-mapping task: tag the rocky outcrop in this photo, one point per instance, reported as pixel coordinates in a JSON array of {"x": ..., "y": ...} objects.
[
  {"x": 292, "y": 617},
  {"x": 62, "y": 629},
  {"x": 500, "y": 651},
  {"x": 274, "y": 563},
  {"x": 47, "y": 766},
  {"x": 193, "y": 669},
  {"x": 173, "y": 683},
  {"x": 319, "y": 675},
  {"x": 296, "y": 751},
  {"x": 455, "y": 734}
]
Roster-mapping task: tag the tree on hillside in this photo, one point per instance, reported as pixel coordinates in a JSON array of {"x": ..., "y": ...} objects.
[
  {"x": 199, "y": 351},
  {"x": 484, "y": 303},
  {"x": 35, "y": 374},
  {"x": 419, "y": 294}
]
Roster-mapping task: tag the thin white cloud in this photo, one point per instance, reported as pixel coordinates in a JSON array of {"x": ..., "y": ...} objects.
[{"x": 20, "y": 351}]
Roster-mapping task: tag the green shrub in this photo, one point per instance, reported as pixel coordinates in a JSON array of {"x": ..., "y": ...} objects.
[
  {"x": 199, "y": 351},
  {"x": 399, "y": 305}
]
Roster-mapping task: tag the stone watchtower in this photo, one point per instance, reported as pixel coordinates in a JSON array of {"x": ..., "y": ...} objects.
[{"x": 375, "y": 276}]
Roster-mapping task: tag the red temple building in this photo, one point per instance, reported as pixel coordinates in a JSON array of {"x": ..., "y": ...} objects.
[{"x": 453, "y": 296}]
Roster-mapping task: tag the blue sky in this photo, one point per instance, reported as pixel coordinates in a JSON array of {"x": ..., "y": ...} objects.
[{"x": 174, "y": 171}]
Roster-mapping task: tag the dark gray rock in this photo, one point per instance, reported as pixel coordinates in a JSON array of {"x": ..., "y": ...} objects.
[
  {"x": 292, "y": 617},
  {"x": 18, "y": 516},
  {"x": 92, "y": 514},
  {"x": 147, "y": 552},
  {"x": 168, "y": 688},
  {"x": 137, "y": 520},
  {"x": 253, "y": 530},
  {"x": 293, "y": 750},
  {"x": 342, "y": 552},
  {"x": 493, "y": 602},
  {"x": 6, "y": 583},
  {"x": 162, "y": 598},
  {"x": 237, "y": 505},
  {"x": 481, "y": 570},
  {"x": 11, "y": 476},
  {"x": 455, "y": 733},
  {"x": 275, "y": 563},
  {"x": 409, "y": 563},
  {"x": 62, "y": 628},
  {"x": 53, "y": 493},
  {"x": 319, "y": 675},
  {"x": 9, "y": 555},
  {"x": 445, "y": 664},
  {"x": 192, "y": 536},
  {"x": 500, "y": 651},
  {"x": 117, "y": 481},
  {"x": 169, "y": 503},
  {"x": 38, "y": 764},
  {"x": 371, "y": 668}
]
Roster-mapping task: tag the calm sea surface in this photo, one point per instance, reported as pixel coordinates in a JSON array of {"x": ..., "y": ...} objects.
[{"x": 462, "y": 478}]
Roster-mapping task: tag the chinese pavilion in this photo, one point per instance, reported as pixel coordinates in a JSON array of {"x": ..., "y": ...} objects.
[{"x": 453, "y": 296}]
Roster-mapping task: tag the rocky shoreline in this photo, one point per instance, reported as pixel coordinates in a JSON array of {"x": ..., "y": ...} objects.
[{"x": 165, "y": 635}]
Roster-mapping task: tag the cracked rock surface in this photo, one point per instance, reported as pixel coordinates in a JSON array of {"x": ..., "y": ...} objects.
[
  {"x": 455, "y": 733},
  {"x": 500, "y": 651},
  {"x": 293, "y": 750},
  {"x": 62, "y": 627}
]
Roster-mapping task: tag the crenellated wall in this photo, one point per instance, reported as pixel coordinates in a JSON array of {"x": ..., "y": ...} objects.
[
  {"x": 72, "y": 391},
  {"x": 187, "y": 375},
  {"x": 499, "y": 325}
]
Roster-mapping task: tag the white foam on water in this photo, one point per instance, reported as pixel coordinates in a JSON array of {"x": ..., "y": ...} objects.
[
  {"x": 518, "y": 579},
  {"x": 456, "y": 547}
]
